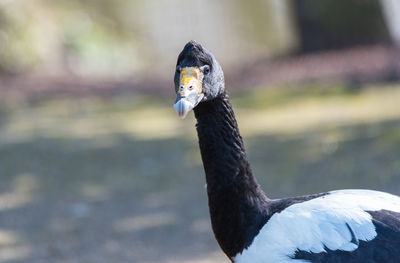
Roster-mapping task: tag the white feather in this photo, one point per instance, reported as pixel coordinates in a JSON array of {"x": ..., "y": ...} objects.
[{"x": 318, "y": 223}]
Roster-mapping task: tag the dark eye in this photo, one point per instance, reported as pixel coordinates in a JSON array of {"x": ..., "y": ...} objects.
[
  {"x": 178, "y": 69},
  {"x": 191, "y": 87},
  {"x": 206, "y": 69}
]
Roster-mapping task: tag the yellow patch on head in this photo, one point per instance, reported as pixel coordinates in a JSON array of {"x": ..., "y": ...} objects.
[
  {"x": 186, "y": 80},
  {"x": 191, "y": 76}
]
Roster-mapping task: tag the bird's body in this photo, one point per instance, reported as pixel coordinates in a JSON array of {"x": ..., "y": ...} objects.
[{"x": 338, "y": 226}]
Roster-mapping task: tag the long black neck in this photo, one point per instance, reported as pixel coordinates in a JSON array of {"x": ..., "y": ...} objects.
[{"x": 237, "y": 204}]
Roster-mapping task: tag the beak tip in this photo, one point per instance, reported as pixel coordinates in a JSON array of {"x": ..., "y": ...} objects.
[
  {"x": 184, "y": 104},
  {"x": 182, "y": 116},
  {"x": 182, "y": 107}
]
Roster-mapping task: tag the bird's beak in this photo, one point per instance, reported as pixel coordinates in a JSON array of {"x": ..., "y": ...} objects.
[
  {"x": 185, "y": 104},
  {"x": 189, "y": 93}
]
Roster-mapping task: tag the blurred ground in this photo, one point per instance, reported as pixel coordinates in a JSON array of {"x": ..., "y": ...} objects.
[{"x": 118, "y": 178}]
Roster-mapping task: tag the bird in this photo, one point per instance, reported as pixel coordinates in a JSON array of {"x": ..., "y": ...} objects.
[{"x": 338, "y": 226}]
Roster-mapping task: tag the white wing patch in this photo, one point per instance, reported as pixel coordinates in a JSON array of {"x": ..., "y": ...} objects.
[{"x": 336, "y": 221}]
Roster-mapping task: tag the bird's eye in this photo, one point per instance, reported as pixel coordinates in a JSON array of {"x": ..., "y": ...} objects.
[
  {"x": 191, "y": 87},
  {"x": 206, "y": 69},
  {"x": 178, "y": 69}
]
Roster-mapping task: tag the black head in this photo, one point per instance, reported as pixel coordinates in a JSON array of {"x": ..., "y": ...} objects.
[{"x": 198, "y": 77}]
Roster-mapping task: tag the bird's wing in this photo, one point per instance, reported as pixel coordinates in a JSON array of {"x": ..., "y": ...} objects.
[{"x": 338, "y": 221}]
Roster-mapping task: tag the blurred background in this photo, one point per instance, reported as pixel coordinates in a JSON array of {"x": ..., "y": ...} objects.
[{"x": 95, "y": 165}]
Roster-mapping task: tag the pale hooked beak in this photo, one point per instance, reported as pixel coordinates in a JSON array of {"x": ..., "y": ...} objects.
[{"x": 185, "y": 104}]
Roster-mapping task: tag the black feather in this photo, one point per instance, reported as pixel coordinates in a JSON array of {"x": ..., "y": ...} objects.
[{"x": 238, "y": 206}]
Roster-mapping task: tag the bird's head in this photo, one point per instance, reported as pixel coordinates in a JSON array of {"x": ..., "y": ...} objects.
[{"x": 198, "y": 78}]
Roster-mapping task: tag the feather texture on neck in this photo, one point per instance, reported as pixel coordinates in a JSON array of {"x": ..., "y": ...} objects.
[{"x": 237, "y": 203}]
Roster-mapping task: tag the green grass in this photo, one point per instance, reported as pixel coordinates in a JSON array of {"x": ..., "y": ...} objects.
[{"x": 120, "y": 179}]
